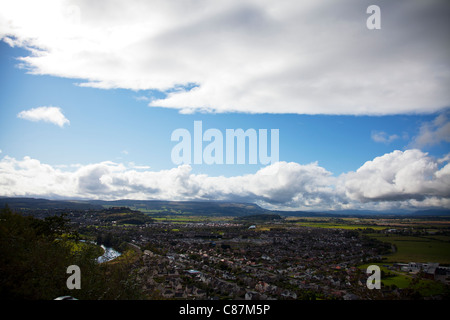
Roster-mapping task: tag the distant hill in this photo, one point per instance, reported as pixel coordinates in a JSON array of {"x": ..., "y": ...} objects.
[
  {"x": 213, "y": 208},
  {"x": 44, "y": 204}
]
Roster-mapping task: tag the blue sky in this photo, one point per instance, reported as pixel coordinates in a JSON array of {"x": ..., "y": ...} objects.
[
  {"x": 122, "y": 97},
  {"x": 117, "y": 125}
]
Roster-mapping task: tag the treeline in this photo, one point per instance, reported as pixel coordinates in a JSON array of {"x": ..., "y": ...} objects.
[
  {"x": 35, "y": 254},
  {"x": 124, "y": 215},
  {"x": 112, "y": 240},
  {"x": 260, "y": 218}
]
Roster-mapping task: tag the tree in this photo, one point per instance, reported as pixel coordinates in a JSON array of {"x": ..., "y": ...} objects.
[{"x": 35, "y": 254}]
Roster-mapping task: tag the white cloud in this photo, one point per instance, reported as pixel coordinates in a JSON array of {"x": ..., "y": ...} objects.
[
  {"x": 47, "y": 114},
  {"x": 409, "y": 175},
  {"x": 383, "y": 137},
  {"x": 409, "y": 179},
  {"x": 310, "y": 57},
  {"x": 434, "y": 132}
]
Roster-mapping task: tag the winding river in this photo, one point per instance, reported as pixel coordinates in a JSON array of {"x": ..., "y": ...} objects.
[{"x": 108, "y": 255}]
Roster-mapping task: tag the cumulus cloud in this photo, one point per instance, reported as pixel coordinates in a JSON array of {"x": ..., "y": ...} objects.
[
  {"x": 399, "y": 176},
  {"x": 401, "y": 179},
  {"x": 48, "y": 114},
  {"x": 311, "y": 57},
  {"x": 285, "y": 185}
]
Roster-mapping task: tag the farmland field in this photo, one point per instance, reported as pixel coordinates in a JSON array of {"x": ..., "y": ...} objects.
[
  {"x": 417, "y": 248},
  {"x": 340, "y": 223}
]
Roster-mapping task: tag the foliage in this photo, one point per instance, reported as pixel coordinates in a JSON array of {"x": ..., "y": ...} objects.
[{"x": 35, "y": 254}]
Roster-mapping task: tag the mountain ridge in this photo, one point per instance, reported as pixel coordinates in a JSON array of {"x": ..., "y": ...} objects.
[{"x": 195, "y": 207}]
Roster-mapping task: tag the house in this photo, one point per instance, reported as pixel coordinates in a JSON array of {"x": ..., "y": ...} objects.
[
  {"x": 351, "y": 296},
  {"x": 399, "y": 266},
  {"x": 289, "y": 294},
  {"x": 411, "y": 267},
  {"x": 252, "y": 295},
  {"x": 193, "y": 272},
  {"x": 428, "y": 269},
  {"x": 168, "y": 294},
  {"x": 442, "y": 274},
  {"x": 148, "y": 253}
]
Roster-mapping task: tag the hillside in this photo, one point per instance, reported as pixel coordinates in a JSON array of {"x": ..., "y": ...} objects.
[
  {"x": 155, "y": 206},
  {"x": 45, "y": 204},
  {"x": 211, "y": 208}
]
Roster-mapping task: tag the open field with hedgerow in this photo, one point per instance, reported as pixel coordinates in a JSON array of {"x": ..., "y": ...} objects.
[{"x": 417, "y": 248}]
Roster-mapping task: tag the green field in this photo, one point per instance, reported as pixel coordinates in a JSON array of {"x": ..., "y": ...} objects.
[
  {"x": 340, "y": 226},
  {"x": 341, "y": 223},
  {"x": 404, "y": 280},
  {"x": 188, "y": 219},
  {"x": 417, "y": 249},
  {"x": 401, "y": 280}
]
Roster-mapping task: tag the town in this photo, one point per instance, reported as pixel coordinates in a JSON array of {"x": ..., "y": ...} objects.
[
  {"x": 256, "y": 257},
  {"x": 216, "y": 262}
]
